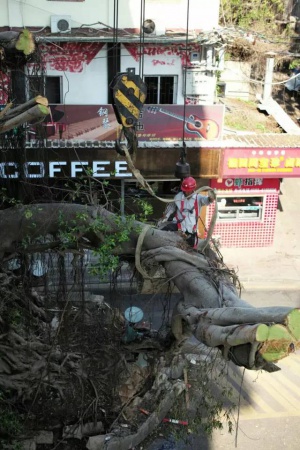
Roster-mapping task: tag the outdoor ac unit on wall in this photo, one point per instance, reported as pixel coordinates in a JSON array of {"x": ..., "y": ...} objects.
[
  {"x": 60, "y": 24},
  {"x": 195, "y": 57}
]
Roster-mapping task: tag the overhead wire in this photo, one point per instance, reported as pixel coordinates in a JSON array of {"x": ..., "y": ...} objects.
[
  {"x": 185, "y": 77},
  {"x": 142, "y": 40},
  {"x": 115, "y": 35}
]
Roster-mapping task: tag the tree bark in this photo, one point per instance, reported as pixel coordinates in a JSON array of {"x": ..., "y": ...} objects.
[
  {"x": 265, "y": 335},
  {"x": 38, "y": 100},
  {"x": 22, "y": 41},
  {"x": 34, "y": 114}
]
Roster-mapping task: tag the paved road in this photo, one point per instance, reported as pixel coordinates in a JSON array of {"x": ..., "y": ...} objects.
[{"x": 269, "y": 412}]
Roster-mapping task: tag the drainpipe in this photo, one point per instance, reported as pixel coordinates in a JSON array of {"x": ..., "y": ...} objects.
[{"x": 267, "y": 94}]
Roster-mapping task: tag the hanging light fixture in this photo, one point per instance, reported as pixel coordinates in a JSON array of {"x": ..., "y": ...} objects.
[{"x": 182, "y": 169}]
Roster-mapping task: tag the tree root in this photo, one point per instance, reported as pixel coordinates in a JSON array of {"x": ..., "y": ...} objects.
[{"x": 111, "y": 442}]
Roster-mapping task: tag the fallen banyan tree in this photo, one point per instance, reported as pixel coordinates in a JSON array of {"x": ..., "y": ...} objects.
[{"x": 210, "y": 308}]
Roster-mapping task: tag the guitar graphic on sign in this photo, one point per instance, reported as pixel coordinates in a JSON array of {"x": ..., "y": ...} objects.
[{"x": 206, "y": 128}]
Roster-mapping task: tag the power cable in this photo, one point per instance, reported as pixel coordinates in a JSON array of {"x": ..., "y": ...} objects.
[
  {"x": 182, "y": 168},
  {"x": 184, "y": 89},
  {"x": 263, "y": 82},
  {"x": 142, "y": 40},
  {"x": 115, "y": 35}
]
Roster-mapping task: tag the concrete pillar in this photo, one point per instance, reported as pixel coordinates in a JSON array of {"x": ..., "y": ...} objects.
[{"x": 267, "y": 94}]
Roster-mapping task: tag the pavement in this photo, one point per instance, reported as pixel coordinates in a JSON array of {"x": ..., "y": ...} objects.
[
  {"x": 276, "y": 267},
  {"x": 268, "y": 415}
]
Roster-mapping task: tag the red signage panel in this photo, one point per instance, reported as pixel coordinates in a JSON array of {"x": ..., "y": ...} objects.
[
  {"x": 261, "y": 162},
  {"x": 156, "y": 123},
  {"x": 173, "y": 122},
  {"x": 234, "y": 184}
]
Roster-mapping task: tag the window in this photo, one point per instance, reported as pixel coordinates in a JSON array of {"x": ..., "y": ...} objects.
[
  {"x": 50, "y": 87},
  {"x": 161, "y": 89},
  {"x": 240, "y": 208}
]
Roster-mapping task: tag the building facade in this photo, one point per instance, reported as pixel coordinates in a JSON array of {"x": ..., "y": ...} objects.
[{"x": 80, "y": 48}]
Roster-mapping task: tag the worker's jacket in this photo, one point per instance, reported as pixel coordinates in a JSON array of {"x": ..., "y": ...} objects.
[{"x": 187, "y": 211}]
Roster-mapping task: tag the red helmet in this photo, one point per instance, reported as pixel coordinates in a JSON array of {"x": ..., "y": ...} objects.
[{"x": 188, "y": 184}]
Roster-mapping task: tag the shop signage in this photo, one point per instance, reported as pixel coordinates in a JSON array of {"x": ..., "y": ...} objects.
[
  {"x": 266, "y": 163},
  {"x": 156, "y": 123},
  {"x": 73, "y": 169},
  {"x": 245, "y": 184}
]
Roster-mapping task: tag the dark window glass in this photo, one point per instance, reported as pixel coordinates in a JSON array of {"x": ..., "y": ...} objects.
[
  {"x": 152, "y": 90},
  {"x": 160, "y": 90},
  {"x": 53, "y": 89},
  {"x": 166, "y": 90},
  {"x": 49, "y": 87}
]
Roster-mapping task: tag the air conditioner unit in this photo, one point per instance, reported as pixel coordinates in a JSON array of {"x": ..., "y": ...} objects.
[
  {"x": 195, "y": 57},
  {"x": 60, "y": 24}
]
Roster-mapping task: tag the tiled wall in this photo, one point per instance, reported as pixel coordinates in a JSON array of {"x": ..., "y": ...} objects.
[{"x": 248, "y": 234}]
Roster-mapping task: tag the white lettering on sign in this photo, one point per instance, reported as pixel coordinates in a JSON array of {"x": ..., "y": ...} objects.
[
  {"x": 12, "y": 174},
  {"x": 38, "y": 169},
  {"x": 40, "y": 174},
  {"x": 77, "y": 167},
  {"x": 98, "y": 167},
  {"x": 54, "y": 169},
  {"x": 121, "y": 167}
]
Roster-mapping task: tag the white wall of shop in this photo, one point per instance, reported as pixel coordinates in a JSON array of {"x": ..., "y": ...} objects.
[
  {"x": 159, "y": 64},
  {"x": 168, "y": 14},
  {"x": 88, "y": 87}
]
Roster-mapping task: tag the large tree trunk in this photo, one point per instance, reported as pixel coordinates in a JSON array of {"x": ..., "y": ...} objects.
[
  {"x": 14, "y": 40},
  {"x": 33, "y": 111},
  {"x": 203, "y": 284}
]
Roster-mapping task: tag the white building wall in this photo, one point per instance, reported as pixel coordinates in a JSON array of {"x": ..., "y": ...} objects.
[
  {"x": 168, "y": 14},
  {"x": 163, "y": 64},
  {"x": 236, "y": 76},
  {"x": 88, "y": 87}
]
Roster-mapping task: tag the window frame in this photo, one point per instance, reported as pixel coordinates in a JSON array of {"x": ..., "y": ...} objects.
[
  {"x": 43, "y": 79},
  {"x": 159, "y": 94},
  {"x": 239, "y": 212}
]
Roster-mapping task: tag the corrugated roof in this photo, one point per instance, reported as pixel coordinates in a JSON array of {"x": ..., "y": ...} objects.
[
  {"x": 271, "y": 140},
  {"x": 262, "y": 140},
  {"x": 232, "y": 141}
]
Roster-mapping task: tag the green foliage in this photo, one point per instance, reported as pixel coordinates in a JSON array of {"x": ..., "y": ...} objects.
[
  {"x": 261, "y": 127},
  {"x": 5, "y": 198},
  {"x": 210, "y": 398},
  {"x": 28, "y": 214},
  {"x": 10, "y": 424},
  {"x": 146, "y": 209},
  {"x": 106, "y": 260},
  {"x": 14, "y": 317},
  {"x": 255, "y": 14},
  {"x": 294, "y": 64}
]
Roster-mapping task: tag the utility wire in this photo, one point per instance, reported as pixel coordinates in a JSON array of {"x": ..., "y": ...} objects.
[
  {"x": 142, "y": 39},
  {"x": 115, "y": 35},
  {"x": 186, "y": 59}
]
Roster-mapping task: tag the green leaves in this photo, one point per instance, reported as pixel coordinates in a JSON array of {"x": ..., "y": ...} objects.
[{"x": 257, "y": 13}]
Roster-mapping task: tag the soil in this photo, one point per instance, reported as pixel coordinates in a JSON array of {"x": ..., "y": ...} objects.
[{"x": 244, "y": 116}]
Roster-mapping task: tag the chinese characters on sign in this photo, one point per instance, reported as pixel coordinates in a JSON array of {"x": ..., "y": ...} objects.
[
  {"x": 240, "y": 182},
  {"x": 103, "y": 112},
  {"x": 245, "y": 184},
  {"x": 99, "y": 123},
  {"x": 269, "y": 163}
]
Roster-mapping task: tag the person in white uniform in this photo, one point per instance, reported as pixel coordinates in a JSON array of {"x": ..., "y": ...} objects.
[{"x": 185, "y": 210}]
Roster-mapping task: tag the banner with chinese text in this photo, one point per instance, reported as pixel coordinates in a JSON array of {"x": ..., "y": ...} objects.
[
  {"x": 260, "y": 162},
  {"x": 156, "y": 123}
]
